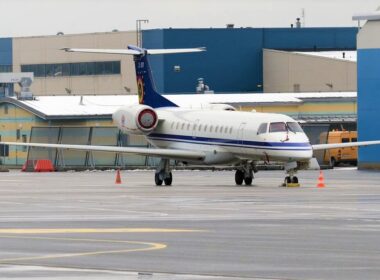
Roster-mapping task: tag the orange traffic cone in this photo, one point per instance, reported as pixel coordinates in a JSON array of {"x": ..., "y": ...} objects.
[
  {"x": 118, "y": 178},
  {"x": 321, "y": 180}
]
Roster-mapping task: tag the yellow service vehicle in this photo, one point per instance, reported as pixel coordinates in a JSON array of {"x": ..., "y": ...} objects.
[{"x": 341, "y": 155}]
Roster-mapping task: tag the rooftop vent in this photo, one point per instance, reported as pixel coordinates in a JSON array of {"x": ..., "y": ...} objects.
[{"x": 298, "y": 22}]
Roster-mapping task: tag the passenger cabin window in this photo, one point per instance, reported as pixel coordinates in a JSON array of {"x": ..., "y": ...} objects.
[
  {"x": 354, "y": 140},
  {"x": 262, "y": 128},
  {"x": 345, "y": 140},
  {"x": 277, "y": 127},
  {"x": 294, "y": 127}
]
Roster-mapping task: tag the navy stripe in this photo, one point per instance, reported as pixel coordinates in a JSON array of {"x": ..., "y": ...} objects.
[{"x": 231, "y": 142}]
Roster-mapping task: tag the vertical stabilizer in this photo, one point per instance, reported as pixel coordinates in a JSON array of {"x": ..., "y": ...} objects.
[{"x": 146, "y": 88}]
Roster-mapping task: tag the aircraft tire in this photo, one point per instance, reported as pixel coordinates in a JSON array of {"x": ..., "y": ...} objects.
[
  {"x": 239, "y": 177},
  {"x": 157, "y": 179},
  {"x": 168, "y": 181},
  {"x": 248, "y": 181},
  {"x": 287, "y": 180},
  {"x": 295, "y": 180}
]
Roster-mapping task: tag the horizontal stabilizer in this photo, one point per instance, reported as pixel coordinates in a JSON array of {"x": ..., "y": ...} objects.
[
  {"x": 135, "y": 51},
  {"x": 164, "y": 153},
  {"x": 169, "y": 51},
  {"x": 105, "y": 51},
  {"x": 344, "y": 145}
]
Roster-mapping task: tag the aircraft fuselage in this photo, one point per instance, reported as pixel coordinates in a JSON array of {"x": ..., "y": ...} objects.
[{"x": 228, "y": 136}]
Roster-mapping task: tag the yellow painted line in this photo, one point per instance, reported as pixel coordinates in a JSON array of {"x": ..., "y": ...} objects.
[
  {"x": 94, "y": 230},
  {"x": 148, "y": 246}
]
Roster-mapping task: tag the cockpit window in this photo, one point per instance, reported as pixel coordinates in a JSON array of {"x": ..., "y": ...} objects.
[
  {"x": 277, "y": 127},
  {"x": 294, "y": 127},
  {"x": 262, "y": 128}
]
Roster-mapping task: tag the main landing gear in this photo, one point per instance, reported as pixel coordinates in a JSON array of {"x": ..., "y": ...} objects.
[
  {"x": 163, "y": 173},
  {"x": 245, "y": 174}
]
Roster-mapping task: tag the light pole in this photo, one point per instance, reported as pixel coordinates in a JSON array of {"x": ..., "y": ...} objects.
[{"x": 138, "y": 31}]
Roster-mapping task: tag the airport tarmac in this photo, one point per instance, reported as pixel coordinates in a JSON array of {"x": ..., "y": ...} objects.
[{"x": 81, "y": 225}]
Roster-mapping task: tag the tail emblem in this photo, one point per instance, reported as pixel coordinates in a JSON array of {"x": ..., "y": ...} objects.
[{"x": 140, "y": 89}]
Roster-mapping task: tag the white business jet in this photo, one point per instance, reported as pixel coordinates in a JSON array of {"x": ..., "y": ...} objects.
[{"x": 213, "y": 136}]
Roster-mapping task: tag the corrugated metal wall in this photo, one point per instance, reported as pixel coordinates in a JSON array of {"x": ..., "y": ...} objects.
[{"x": 368, "y": 93}]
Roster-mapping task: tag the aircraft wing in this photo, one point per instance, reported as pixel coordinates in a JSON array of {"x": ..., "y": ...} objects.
[
  {"x": 344, "y": 145},
  {"x": 163, "y": 153}
]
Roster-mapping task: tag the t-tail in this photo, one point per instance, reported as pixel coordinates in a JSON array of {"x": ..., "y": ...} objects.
[{"x": 147, "y": 92}]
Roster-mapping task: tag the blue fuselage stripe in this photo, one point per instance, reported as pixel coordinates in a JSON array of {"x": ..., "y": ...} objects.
[{"x": 231, "y": 142}]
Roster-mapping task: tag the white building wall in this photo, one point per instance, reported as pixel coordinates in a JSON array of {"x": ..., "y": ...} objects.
[
  {"x": 293, "y": 72},
  {"x": 46, "y": 50},
  {"x": 368, "y": 36}
]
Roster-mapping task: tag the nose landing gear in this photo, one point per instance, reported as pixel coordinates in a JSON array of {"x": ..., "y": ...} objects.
[{"x": 291, "y": 180}]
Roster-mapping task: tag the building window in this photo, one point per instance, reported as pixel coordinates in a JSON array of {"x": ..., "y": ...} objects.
[
  {"x": 6, "y": 109},
  {"x": 5, "y": 68},
  {"x": 73, "y": 69},
  {"x": 18, "y": 134}
]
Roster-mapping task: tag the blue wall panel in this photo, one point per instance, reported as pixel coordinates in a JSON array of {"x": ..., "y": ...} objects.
[
  {"x": 369, "y": 103},
  {"x": 5, "y": 51},
  {"x": 228, "y": 65},
  {"x": 310, "y": 38},
  {"x": 155, "y": 39},
  {"x": 233, "y": 61}
]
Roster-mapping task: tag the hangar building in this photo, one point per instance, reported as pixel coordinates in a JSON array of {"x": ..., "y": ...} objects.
[
  {"x": 87, "y": 120},
  {"x": 233, "y": 61}
]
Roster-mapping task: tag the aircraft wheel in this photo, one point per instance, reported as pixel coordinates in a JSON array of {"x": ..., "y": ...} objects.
[
  {"x": 168, "y": 181},
  {"x": 157, "y": 179},
  {"x": 248, "y": 181},
  {"x": 239, "y": 177},
  {"x": 295, "y": 180},
  {"x": 287, "y": 180}
]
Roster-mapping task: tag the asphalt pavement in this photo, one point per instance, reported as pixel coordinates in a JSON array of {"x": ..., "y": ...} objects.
[{"x": 81, "y": 225}]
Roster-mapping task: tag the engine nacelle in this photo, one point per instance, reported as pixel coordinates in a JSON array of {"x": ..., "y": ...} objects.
[{"x": 136, "y": 119}]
